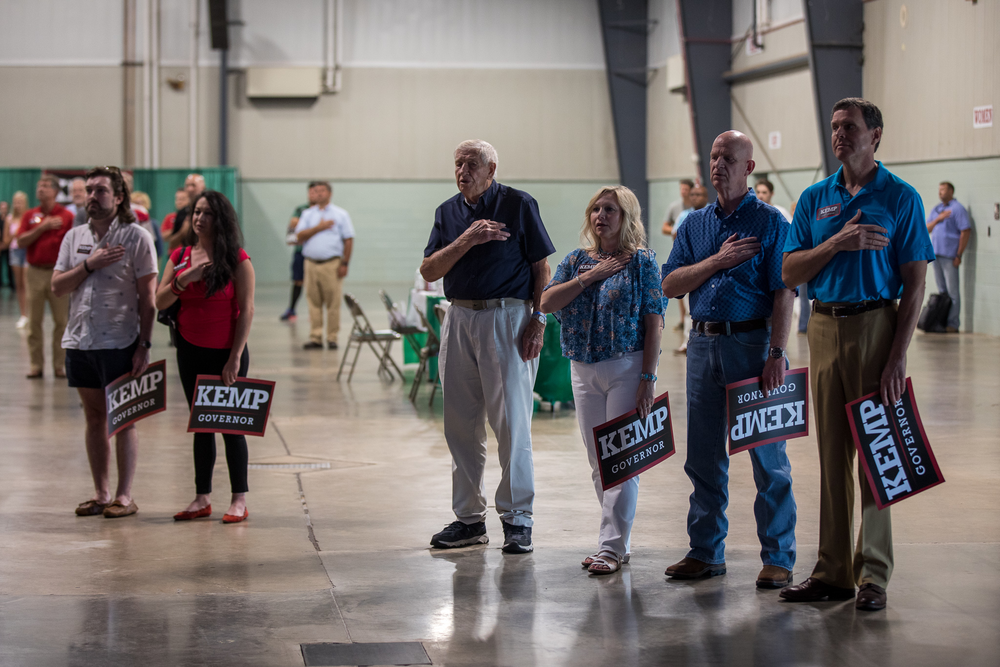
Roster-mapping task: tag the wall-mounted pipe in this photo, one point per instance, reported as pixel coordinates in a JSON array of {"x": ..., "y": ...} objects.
[
  {"x": 334, "y": 34},
  {"x": 147, "y": 89},
  {"x": 154, "y": 75},
  {"x": 195, "y": 9}
]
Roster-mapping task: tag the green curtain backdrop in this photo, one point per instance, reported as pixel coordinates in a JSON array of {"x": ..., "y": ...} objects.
[
  {"x": 14, "y": 179},
  {"x": 159, "y": 184}
]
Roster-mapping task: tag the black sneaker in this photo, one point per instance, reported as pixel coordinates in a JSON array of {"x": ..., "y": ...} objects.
[
  {"x": 312, "y": 345},
  {"x": 331, "y": 345},
  {"x": 516, "y": 539},
  {"x": 458, "y": 534}
]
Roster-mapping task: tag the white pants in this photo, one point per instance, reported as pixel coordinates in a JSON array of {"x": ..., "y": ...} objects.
[
  {"x": 483, "y": 378},
  {"x": 603, "y": 391}
]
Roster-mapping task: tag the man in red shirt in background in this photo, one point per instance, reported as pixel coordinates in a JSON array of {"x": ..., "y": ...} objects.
[{"x": 42, "y": 231}]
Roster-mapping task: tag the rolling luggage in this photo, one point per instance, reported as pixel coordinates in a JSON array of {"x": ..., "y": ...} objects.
[{"x": 934, "y": 316}]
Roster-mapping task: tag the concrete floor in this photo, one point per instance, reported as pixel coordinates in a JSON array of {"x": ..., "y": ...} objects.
[{"x": 340, "y": 554}]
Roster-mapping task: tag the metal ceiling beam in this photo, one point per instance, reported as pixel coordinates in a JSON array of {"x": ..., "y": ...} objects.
[
  {"x": 706, "y": 33},
  {"x": 625, "y": 26},
  {"x": 834, "y": 30}
]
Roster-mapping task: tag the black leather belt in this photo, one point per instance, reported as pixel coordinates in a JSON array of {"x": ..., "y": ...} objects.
[
  {"x": 850, "y": 309},
  {"x": 322, "y": 261},
  {"x": 727, "y": 328}
]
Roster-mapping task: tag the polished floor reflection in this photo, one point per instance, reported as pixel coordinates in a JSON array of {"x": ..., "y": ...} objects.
[{"x": 351, "y": 481}]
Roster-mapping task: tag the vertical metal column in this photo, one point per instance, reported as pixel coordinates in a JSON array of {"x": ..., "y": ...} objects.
[
  {"x": 223, "y": 107},
  {"x": 706, "y": 34},
  {"x": 624, "y": 27},
  {"x": 834, "y": 35}
]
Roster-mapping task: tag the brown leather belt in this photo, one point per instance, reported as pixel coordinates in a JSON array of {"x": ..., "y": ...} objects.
[
  {"x": 322, "y": 261},
  {"x": 486, "y": 304},
  {"x": 850, "y": 309},
  {"x": 727, "y": 328}
]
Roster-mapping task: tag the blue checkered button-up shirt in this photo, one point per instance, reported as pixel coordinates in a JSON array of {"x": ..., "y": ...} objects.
[{"x": 746, "y": 291}]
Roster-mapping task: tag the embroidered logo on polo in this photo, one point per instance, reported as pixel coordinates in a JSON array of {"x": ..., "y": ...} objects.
[{"x": 828, "y": 211}]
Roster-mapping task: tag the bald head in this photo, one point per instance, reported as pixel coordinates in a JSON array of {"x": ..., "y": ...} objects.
[{"x": 731, "y": 163}]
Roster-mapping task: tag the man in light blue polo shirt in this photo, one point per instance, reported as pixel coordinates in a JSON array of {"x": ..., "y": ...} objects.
[
  {"x": 948, "y": 224},
  {"x": 858, "y": 238},
  {"x": 326, "y": 235}
]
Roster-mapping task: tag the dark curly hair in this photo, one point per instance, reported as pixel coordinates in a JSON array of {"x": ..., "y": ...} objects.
[
  {"x": 226, "y": 244},
  {"x": 118, "y": 187}
]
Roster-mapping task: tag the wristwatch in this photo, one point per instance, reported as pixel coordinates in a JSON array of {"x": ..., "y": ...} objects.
[
  {"x": 146, "y": 344},
  {"x": 539, "y": 317},
  {"x": 776, "y": 353}
]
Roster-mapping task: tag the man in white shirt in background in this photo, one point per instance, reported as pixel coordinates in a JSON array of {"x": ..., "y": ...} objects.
[{"x": 326, "y": 235}]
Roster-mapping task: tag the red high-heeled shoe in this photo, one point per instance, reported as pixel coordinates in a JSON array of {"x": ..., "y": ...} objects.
[
  {"x": 197, "y": 514},
  {"x": 233, "y": 518}
]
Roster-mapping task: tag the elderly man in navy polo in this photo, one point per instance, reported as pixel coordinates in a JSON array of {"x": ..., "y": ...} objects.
[
  {"x": 727, "y": 256},
  {"x": 489, "y": 245},
  {"x": 858, "y": 238}
]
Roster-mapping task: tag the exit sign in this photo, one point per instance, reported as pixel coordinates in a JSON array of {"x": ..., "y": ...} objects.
[{"x": 982, "y": 116}]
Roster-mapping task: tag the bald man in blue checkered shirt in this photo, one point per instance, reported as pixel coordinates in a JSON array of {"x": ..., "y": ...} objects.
[{"x": 727, "y": 256}]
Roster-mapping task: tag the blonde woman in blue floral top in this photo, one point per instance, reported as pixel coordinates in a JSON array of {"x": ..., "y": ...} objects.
[{"x": 607, "y": 296}]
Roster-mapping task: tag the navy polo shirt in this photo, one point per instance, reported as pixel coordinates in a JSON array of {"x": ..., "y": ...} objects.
[
  {"x": 746, "y": 291},
  {"x": 861, "y": 275},
  {"x": 496, "y": 269}
]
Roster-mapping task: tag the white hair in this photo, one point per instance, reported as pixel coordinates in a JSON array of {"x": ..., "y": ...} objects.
[{"x": 487, "y": 154}]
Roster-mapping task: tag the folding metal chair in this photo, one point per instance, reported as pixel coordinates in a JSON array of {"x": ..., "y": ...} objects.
[
  {"x": 406, "y": 331},
  {"x": 379, "y": 341},
  {"x": 427, "y": 353}
]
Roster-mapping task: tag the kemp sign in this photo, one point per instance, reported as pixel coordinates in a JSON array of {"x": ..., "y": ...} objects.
[
  {"x": 758, "y": 418},
  {"x": 893, "y": 447},
  {"x": 129, "y": 399},
  {"x": 239, "y": 409},
  {"x": 627, "y": 445}
]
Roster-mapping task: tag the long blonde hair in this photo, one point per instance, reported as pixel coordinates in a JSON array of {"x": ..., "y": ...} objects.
[
  {"x": 22, "y": 195},
  {"x": 632, "y": 234}
]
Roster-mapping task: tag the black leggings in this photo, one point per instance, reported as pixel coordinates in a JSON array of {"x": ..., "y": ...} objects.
[{"x": 193, "y": 361}]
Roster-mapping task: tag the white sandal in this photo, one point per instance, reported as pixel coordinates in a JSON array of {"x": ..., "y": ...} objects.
[
  {"x": 608, "y": 560},
  {"x": 586, "y": 562}
]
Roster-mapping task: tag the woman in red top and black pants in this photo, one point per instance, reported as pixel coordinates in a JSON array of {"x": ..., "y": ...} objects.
[{"x": 214, "y": 281}]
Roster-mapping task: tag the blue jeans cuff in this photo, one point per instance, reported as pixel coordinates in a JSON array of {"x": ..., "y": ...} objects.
[{"x": 705, "y": 557}]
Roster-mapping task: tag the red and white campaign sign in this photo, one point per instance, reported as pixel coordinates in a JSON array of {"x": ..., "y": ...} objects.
[
  {"x": 130, "y": 399},
  {"x": 239, "y": 409},
  {"x": 628, "y": 445},
  {"x": 893, "y": 447}
]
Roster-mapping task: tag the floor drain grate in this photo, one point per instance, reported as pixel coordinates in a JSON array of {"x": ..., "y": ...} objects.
[
  {"x": 290, "y": 466},
  {"x": 381, "y": 653}
]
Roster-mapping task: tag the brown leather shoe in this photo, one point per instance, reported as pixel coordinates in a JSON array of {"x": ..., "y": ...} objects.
[
  {"x": 692, "y": 568},
  {"x": 772, "y": 576},
  {"x": 90, "y": 508},
  {"x": 814, "y": 590},
  {"x": 116, "y": 510},
  {"x": 871, "y": 597}
]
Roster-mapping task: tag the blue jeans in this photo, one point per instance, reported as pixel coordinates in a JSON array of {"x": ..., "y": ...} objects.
[{"x": 712, "y": 363}]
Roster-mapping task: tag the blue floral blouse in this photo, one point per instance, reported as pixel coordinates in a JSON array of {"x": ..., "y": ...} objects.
[{"x": 607, "y": 318}]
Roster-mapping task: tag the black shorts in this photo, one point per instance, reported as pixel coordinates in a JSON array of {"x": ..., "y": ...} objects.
[
  {"x": 298, "y": 267},
  {"x": 96, "y": 369}
]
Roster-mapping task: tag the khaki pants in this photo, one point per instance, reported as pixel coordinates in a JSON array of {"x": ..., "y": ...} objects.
[
  {"x": 847, "y": 356},
  {"x": 39, "y": 290},
  {"x": 323, "y": 288}
]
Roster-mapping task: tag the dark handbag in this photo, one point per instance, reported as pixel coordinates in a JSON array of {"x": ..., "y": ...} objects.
[{"x": 168, "y": 315}]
